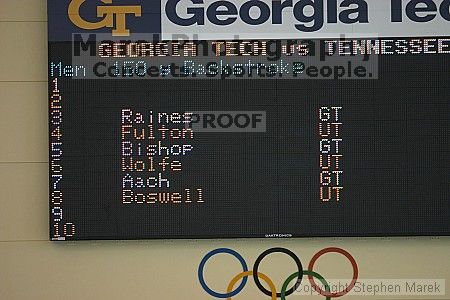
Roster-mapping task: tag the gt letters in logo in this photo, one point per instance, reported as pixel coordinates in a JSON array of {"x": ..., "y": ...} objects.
[{"x": 108, "y": 12}]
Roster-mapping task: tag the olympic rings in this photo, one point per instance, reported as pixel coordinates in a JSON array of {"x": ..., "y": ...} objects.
[
  {"x": 202, "y": 279},
  {"x": 273, "y": 250},
  {"x": 309, "y": 273},
  {"x": 349, "y": 257},
  {"x": 264, "y": 277},
  {"x": 258, "y": 275}
]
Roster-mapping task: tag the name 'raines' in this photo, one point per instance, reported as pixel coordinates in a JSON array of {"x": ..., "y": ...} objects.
[{"x": 310, "y": 15}]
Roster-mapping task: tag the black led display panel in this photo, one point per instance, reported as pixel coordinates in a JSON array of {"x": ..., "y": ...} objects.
[{"x": 354, "y": 157}]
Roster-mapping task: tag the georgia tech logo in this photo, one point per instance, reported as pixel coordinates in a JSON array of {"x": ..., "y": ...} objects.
[
  {"x": 108, "y": 13},
  {"x": 284, "y": 292}
]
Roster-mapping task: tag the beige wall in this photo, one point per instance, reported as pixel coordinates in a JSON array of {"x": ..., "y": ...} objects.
[{"x": 33, "y": 268}]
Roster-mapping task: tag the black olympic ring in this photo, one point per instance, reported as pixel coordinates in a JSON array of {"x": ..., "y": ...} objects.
[{"x": 279, "y": 250}]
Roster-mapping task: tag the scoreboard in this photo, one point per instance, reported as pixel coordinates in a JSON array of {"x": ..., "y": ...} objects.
[{"x": 228, "y": 130}]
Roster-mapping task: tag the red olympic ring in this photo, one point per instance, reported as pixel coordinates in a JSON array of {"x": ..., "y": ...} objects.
[{"x": 354, "y": 266}]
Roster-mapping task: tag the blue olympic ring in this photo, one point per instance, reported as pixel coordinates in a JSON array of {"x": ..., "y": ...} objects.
[{"x": 202, "y": 279}]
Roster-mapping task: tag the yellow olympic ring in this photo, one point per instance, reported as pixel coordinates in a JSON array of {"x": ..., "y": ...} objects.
[{"x": 250, "y": 273}]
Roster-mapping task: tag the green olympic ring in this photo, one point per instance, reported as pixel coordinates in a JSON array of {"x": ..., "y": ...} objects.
[{"x": 305, "y": 272}]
